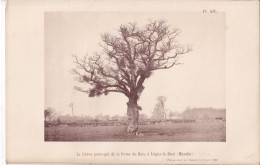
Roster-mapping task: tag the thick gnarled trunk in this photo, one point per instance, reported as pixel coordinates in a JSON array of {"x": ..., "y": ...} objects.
[
  {"x": 133, "y": 109},
  {"x": 133, "y": 116}
]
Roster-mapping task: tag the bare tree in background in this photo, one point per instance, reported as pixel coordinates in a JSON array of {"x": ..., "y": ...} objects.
[
  {"x": 49, "y": 113},
  {"x": 160, "y": 110},
  {"x": 127, "y": 60}
]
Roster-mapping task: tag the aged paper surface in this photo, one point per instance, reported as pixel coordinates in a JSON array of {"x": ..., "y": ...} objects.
[{"x": 221, "y": 73}]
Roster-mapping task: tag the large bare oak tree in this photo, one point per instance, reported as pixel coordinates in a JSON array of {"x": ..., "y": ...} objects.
[{"x": 127, "y": 60}]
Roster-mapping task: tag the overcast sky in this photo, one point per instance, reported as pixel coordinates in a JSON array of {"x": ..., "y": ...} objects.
[{"x": 199, "y": 82}]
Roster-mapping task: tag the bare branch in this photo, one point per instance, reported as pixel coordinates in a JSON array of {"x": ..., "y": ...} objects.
[{"x": 129, "y": 58}]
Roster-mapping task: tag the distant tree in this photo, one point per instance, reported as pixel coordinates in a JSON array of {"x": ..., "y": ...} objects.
[
  {"x": 160, "y": 110},
  {"x": 49, "y": 113},
  {"x": 157, "y": 113},
  {"x": 161, "y": 104},
  {"x": 127, "y": 60}
]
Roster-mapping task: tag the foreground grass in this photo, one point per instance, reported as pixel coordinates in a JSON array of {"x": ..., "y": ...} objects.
[{"x": 180, "y": 132}]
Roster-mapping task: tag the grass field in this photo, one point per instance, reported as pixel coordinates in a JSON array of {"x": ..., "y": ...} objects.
[{"x": 179, "y": 132}]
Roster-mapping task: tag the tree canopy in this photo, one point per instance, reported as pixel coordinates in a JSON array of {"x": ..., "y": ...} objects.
[{"x": 128, "y": 58}]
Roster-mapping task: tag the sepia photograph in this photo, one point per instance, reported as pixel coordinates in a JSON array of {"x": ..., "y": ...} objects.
[
  {"x": 134, "y": 77},
  {"x": 131, "y": 82}
]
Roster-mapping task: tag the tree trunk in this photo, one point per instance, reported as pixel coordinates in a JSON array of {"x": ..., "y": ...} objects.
[{"x": 133, "y": 116}]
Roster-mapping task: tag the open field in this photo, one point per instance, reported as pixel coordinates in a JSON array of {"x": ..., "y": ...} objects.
[{"x": 179, "y": 132}]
